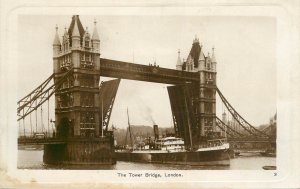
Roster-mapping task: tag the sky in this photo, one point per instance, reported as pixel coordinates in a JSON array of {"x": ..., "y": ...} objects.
[{"x": 245, "y": 49}]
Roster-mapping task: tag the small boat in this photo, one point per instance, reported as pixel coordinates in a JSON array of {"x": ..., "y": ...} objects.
[{"x": 269, "y": 167}]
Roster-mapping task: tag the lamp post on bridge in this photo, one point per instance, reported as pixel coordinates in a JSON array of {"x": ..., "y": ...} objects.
[{"x": 53, "y": 131}]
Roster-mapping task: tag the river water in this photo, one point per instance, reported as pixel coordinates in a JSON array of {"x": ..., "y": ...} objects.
[{"x": 33, "y": 159}]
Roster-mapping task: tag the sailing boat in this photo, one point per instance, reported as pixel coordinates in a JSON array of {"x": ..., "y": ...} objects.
[
  {"x": 128, "y": 148},
  {"x": 172, "y": 150}
]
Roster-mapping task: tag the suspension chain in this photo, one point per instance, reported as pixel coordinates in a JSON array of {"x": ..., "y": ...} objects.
[{"x": 242, "y": 122}]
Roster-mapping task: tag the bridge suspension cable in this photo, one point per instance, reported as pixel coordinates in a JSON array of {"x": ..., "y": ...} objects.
[
  {"x": 267, "y": 129},
  {"x": 242, "y": 122},
  {"x": 36, "y": 118},
  {"x": 31, "y": 132},
  {"x": 19, "y": 128},
  {"x": 48, "y": 117},
  {"x": 231, "y": 132},
  {"x": 38, "y": 96},
  {"x": 24, "y": 134},
  {"x": 37, "y": 91}
]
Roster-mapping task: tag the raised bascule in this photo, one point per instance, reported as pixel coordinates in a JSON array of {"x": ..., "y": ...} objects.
[{"x": 83, "y": 104}]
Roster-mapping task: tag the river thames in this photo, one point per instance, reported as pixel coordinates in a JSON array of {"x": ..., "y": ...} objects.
[{"x": 33, "y": 159}]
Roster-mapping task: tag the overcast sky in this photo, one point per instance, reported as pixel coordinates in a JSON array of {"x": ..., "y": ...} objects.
[{"x": 245, "y": 49}]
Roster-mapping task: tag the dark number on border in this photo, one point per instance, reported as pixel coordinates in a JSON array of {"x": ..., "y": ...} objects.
[{"x": 275, "y": 174}]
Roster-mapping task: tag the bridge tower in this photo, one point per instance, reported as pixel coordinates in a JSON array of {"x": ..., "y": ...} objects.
[
  {"x": 204, "y": 95},
  {"x": 76, "y": 67},
  {"x": 77, "y": 101}
]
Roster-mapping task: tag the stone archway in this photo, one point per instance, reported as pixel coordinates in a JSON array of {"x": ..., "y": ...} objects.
[{"x": 63, "y": 128}]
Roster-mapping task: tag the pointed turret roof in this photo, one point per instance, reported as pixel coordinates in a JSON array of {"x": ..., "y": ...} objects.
[
  {"x": 56, "y": 40},
  {"x": 95, "y": 32},
  {"x": 178, "y": 59},
  {"x": 213, "y": 58},
  {"x": 208, "y": 57},
  {"x": 76, "y": 27},
  {"x": 75, "y": 31},
  {"x": 66, "y": 35},
  {"x": 201, "y": 56},
  {"x": 86, "y": 33},
  {"x": 196, "y": 40},
  {"x": 195, "y": 52}
]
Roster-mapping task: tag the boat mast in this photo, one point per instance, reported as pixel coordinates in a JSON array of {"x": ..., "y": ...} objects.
[
  {"x": 129, "y": 128},
  {"x": 126, "y": 137}
]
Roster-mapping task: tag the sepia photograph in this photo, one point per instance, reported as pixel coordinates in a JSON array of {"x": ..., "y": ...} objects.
[
  {"x": 147, "y": 96},
  {"x": 164, "y": 94}
]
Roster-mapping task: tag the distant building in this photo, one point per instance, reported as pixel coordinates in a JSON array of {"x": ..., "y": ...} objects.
[
  {"x": 234, "y": 124},
  {"x": 224, "y": 120}
]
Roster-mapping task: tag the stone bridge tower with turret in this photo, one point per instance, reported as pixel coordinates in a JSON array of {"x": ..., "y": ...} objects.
[
  {"x": 203, "y": 95},
  {"x": 77, "y": 100},
  {"x": 76, "y": 67}
]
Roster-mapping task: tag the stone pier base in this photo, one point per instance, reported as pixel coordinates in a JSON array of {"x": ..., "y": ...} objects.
[{"x": 81, "y": 151}]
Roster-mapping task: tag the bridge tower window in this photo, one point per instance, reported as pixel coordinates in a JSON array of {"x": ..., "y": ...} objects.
[{"x": 87, "y": 99}]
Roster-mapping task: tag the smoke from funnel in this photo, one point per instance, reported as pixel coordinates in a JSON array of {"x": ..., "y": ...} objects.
[
  {"x": 153, "y": 122},
  {"x": 147, "y": 114}
]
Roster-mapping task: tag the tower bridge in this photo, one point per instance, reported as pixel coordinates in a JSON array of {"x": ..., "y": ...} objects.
[{"x": 83, "y": 104}]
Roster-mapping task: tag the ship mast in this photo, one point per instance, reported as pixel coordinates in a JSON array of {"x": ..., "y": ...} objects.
[{"x": 129, "y": 129}]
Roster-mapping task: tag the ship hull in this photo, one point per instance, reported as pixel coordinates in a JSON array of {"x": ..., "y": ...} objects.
[{"x": 213, "y": 157}]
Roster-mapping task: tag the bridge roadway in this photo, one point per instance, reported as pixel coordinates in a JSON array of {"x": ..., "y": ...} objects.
[
  {"x": 150, "y": 73},
  {"x": 32, "y": 141},
  {"x": 252, "y": 140}
]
